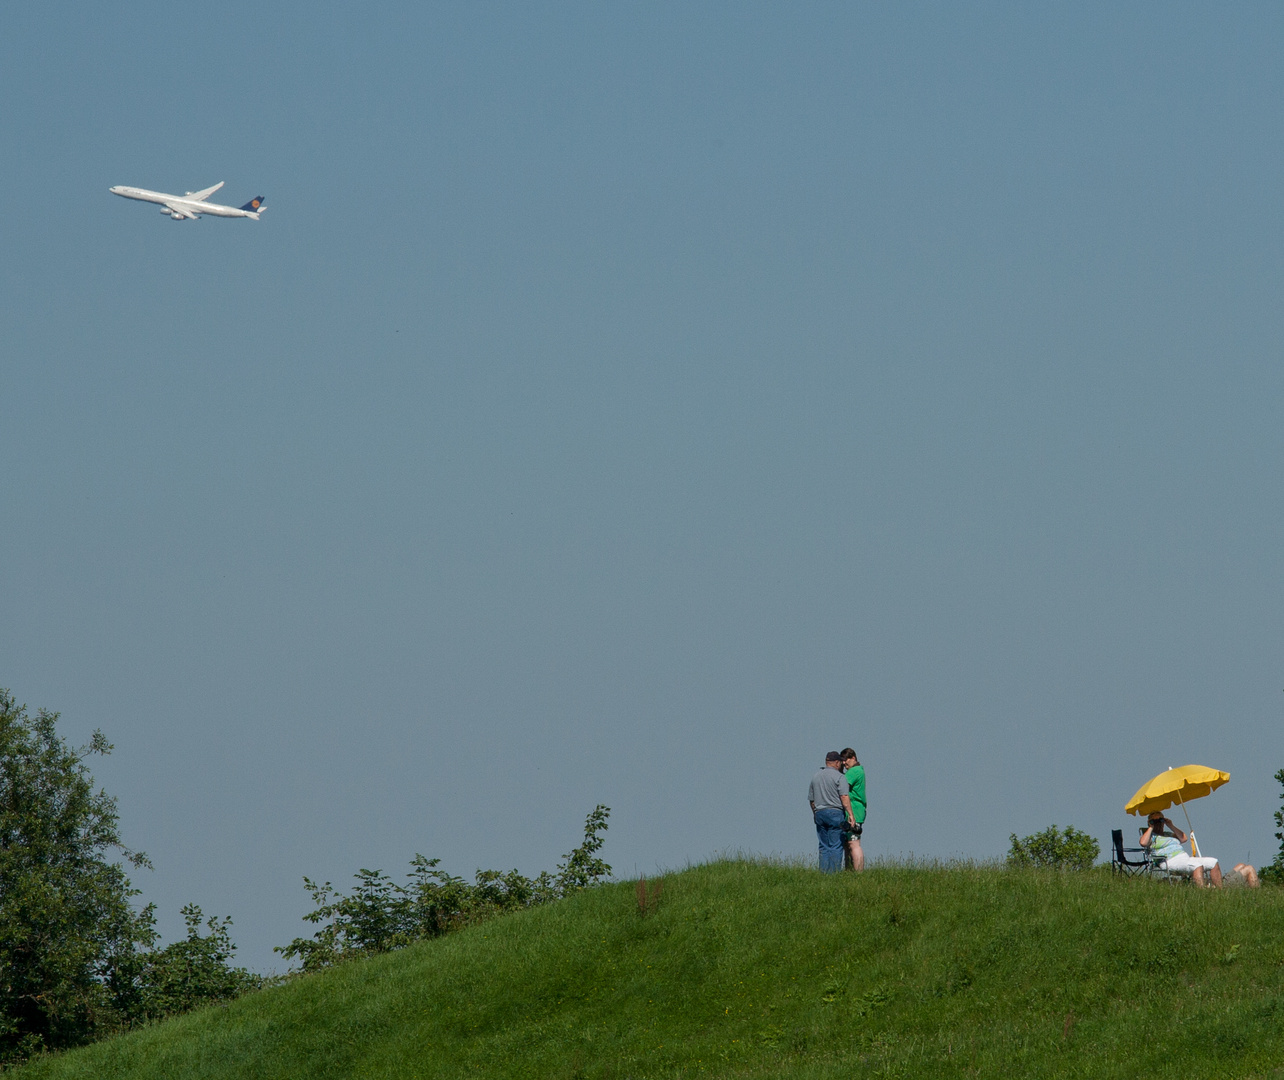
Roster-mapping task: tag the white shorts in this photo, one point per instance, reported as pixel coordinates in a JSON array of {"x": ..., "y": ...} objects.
[{"x": 1185, "y": 864}]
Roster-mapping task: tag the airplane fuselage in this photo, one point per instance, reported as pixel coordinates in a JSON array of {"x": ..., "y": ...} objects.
[{"x": 181, "y": 207}]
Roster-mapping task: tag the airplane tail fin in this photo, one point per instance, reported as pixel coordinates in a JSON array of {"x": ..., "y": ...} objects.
[{"x": 254, "y": 204}]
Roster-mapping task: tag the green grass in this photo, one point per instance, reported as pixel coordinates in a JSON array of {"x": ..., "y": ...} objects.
[{"x": 756, "y": 970}]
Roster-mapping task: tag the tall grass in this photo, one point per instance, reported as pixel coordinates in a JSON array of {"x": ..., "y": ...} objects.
[{"x": 747, "y": 968}]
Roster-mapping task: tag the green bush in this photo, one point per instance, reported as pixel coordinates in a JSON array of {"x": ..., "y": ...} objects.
[
  {"x": 1275, "y": 872},
  {"x": 379, "y": 915},
  {"x": 193, "y": 972},
  {"x": 1069, "y": 849}
]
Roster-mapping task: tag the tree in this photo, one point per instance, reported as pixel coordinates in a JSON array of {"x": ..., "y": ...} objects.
[
  {"x": 77, "y": 961},
  {"x": 68, "y": 933},
  {"x": 1275, "y": 872},
  {"x": 1069, "y": 849}
]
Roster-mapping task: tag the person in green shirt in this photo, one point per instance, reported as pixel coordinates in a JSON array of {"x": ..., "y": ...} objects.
[{"x": 855, "y": 773}]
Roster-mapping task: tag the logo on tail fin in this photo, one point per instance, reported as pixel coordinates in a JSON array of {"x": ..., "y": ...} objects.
[{"x": 254, "y": 203}]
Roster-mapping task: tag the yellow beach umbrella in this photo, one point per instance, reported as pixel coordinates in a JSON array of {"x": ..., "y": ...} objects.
[{"x": 1176, "y": 786}]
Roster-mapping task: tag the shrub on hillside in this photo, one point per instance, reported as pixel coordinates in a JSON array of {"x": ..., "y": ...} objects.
[
  {"x": 1068, "y": 849},
  {"x": 1275, "y": 872},
  {"x": 193, "y": 972},
  {"x": 379, "y": 915}
]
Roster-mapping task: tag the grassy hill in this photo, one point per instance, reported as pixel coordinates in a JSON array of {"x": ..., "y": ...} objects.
[{"x": 746, "y": 969}]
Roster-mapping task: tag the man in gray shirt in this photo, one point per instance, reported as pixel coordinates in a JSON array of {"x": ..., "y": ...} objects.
[{"x": 830, "y": 809}]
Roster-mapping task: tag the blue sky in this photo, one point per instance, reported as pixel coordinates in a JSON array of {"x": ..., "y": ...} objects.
[{"x": 628, "y": 404}]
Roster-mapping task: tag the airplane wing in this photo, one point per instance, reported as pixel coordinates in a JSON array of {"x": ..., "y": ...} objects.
[
  {"x": 201, "y": 196},
  {"x": 181, "y": 211}
]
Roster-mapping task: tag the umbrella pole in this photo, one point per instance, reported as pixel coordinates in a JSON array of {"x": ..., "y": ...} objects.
[{"x": 1189, "y": 827}]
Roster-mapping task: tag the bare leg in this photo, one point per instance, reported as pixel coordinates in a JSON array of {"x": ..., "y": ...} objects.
[
  {"x": 1198, "y": 876},
  {"x": 857, "y": 853},
  {"x": 1248, "y": 874},
  {"x": 1217, "y": 875}
]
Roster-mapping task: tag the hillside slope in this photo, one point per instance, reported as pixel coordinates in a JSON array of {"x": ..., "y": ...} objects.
[{"x": 756, "y": 970}]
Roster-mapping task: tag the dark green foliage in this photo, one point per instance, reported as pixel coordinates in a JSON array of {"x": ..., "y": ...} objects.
[
  {"x": 380, "y": 915},
  {"x": 193, "y": 972},
  {"x": 77, "y": 961},
  {"x": 754, "y": 971},
  {"x": 581, "y": 867},
  {"x": 68, "y": 934},
  {"x": 1275, "y": 872},
  {"x": 1069, "y": 849}
]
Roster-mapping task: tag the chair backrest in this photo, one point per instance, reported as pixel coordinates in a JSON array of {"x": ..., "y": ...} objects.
[{"x": 1117, "y": 838}]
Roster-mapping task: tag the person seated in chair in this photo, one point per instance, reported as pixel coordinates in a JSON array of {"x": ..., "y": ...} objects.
[{"x": 1165, "y": 840}]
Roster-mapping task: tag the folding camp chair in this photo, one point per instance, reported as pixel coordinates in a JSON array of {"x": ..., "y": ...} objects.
[{"x": 1121, "y": 864}]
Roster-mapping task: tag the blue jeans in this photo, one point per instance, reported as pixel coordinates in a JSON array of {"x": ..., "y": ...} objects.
[{"x": 829, "y": 829}]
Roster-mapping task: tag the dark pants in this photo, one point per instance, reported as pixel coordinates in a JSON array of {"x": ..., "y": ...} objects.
[{"x": 829, "y": 830}]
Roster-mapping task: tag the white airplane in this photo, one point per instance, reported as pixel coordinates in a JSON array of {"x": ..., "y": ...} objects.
[{"x": 193, "y": 204}]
